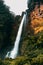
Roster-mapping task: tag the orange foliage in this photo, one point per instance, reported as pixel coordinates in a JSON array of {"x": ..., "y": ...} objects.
[{"x": 37, "y": 19}]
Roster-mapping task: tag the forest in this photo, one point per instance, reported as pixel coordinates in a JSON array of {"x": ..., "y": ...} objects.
[{"x": 31, "y": 47}]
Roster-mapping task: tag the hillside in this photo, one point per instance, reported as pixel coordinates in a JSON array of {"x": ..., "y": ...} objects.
[{"x": 31, "y": 44}]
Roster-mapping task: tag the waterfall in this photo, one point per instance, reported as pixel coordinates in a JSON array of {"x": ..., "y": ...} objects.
[{"x": 14, "y": 52}]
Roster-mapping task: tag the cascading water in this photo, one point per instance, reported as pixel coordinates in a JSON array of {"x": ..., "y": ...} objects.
[{"x": 13, "y": 54}]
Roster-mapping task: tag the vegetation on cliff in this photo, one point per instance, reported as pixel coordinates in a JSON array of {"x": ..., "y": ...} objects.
[
  {"x": 23, "y": 60},
  {"x": 31, "y": 46},
  {"x": 9, "y": 24}
]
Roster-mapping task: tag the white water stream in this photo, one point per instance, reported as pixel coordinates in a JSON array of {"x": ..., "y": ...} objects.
[{"x": 13, "y": 54}]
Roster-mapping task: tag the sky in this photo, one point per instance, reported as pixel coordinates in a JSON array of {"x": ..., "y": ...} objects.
[{"x": 17, "y": 6}]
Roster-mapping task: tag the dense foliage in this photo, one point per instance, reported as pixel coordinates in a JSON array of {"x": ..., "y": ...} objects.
[
  {"x": 23, "y": 60},
  {"x": 31, "y": 46},
  {"x": 9, "y": 24}
]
